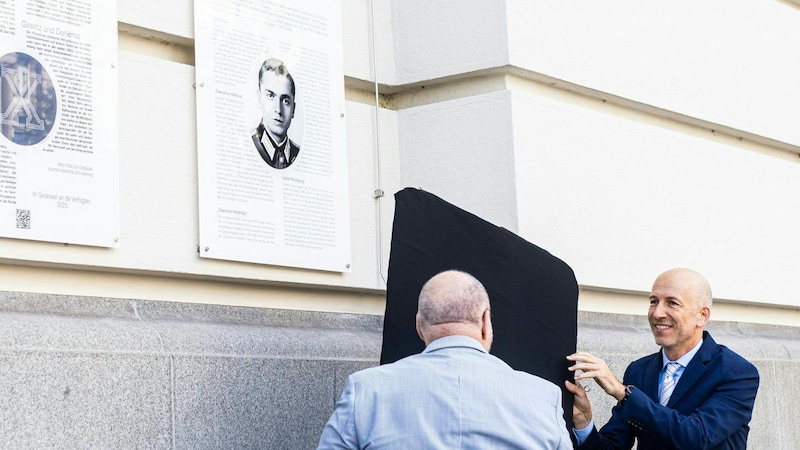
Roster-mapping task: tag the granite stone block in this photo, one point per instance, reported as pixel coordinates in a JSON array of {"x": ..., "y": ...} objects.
[
  {"x": 81, "y": 372},
  {"x": 246, "y": 402},
  {"x": 343, "y": 369},
  {"x": 84, "y": 400}
]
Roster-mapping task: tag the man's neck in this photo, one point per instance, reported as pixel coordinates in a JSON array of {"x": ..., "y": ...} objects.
[
  {"x": 676, "y": 355},
  {"x": 453, "y": 329},
  {"x": 276, "y": 143}
]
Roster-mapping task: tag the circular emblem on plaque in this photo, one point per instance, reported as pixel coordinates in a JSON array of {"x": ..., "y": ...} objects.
[{"x": 27, "y": 99}]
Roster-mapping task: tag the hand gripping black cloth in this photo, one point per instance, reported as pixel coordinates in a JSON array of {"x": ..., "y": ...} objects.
[{"x": 534, "y": 295}]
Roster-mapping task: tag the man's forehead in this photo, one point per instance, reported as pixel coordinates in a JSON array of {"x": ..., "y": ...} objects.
[
  {"x": 275, "y": 83},
  {"x": 677, "y": 295},
  {"x": 667, "y": 290}
]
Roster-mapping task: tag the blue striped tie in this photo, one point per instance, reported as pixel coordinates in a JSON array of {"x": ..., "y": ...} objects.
[{"x": 668, "y": 383}]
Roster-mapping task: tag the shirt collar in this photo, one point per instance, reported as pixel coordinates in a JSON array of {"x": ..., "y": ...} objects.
[
  {"x": 683, "y": 360},
  {"x": 454, "y": 341},
  {"x": 271, "y": 146}
]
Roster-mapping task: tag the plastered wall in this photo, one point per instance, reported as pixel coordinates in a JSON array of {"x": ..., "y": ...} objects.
[
  {"x": 641, "y": 137},
  {"x": 623, "y": 139}
]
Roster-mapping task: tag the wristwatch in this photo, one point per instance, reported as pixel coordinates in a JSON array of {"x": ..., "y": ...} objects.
[{"x": 628, "y": 389}]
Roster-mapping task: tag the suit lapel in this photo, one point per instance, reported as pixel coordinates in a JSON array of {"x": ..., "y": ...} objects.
[
  {"x": 695, "y": 370},
  {"x": 650, "y": 381}
]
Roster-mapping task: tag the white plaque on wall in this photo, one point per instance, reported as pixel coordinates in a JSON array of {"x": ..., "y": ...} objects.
[
  {"x": 59, "y": 174},
  {"x": 272, "y": 160}
]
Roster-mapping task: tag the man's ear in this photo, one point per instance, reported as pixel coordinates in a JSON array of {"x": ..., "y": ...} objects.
[
  {"x": 419, "y": 327},
  {"x": 705, "y": 314},
  {"x": 487, "y": 333}
]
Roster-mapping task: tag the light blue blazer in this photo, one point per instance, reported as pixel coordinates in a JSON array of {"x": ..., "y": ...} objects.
[{"x": 453, "y": 395}]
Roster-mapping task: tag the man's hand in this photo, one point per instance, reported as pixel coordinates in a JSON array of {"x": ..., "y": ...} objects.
[
  {"x": 594, "y": 367},
  {"x": 581, "y": 407}
]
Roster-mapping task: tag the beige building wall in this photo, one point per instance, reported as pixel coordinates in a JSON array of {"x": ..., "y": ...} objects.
[{"x": 627, "y": 140}]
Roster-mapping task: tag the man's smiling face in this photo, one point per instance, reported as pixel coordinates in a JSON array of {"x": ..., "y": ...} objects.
[{"x": 676, "y": 317}]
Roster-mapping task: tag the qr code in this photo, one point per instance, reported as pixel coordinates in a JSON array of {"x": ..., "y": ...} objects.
[{"x": 24, "y": 218}]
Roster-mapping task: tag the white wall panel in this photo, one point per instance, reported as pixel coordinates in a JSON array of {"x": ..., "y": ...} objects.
[
  {"x": 362, "y": 49},
  {"x": 461, "y": 150},
  {"x": 158, "y": 164},
  {"x": 371, "y": 218},
  {"x": 730, "y": 62},
  {"x": 621, "y": 201},
  {"x": 169, "y": 17},
  {"x": 434, "y": 39}
]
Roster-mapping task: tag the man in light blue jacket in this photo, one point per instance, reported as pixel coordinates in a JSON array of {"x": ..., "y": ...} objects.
[{"x": 453, "y": 395}]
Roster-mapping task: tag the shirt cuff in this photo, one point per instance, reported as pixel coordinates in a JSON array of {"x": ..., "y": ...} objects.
[{"x": 583, "y": 433}]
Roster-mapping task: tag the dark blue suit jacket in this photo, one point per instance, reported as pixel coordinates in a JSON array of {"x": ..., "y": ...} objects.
[{"x": 710, "y": 407}]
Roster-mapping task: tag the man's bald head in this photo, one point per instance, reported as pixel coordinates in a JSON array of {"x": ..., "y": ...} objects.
[
  {"x": 694, "y": 285},
  {"x": 453, "y": 302}
]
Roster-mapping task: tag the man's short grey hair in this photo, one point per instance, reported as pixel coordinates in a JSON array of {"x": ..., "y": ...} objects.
[{"x": 452, "y": 296}]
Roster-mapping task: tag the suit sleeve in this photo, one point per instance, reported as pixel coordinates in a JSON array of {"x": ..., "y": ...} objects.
[
  {"x": 340, "y": 431},
  {"x": 616, "y": 434},
  {"x": 727, "y": 407}
]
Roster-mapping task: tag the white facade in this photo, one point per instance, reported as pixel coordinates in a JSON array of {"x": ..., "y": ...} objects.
[{"x": 623, "y": 137}]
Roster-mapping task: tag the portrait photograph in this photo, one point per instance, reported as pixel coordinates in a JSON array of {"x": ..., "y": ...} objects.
[{"x": 274, "y": 137}]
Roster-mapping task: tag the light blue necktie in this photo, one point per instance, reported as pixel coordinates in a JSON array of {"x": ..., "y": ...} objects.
[{"x": 668, "y": 383}]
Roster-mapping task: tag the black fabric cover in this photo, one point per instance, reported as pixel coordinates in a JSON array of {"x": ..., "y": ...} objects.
[{"x": 534, "y": 295}]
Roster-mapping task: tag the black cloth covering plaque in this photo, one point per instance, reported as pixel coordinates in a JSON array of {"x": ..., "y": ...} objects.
[{"x": 534, "y": 295}]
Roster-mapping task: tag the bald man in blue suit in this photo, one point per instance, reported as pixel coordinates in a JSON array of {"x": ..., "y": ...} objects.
[
  {"x": 705, "y": 401},
  {"x": 453, "y": 395}
]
